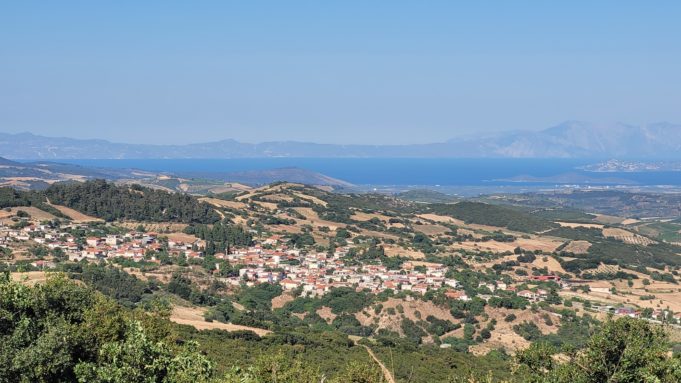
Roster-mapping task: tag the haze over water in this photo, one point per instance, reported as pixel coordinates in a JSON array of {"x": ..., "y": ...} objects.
[{"x": 403, "y": 171}]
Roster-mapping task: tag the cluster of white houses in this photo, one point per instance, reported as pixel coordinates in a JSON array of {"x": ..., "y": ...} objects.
[
  {"x": 313, "y": 273},
  {"x": 270, "y": 261},
  {"x": 316, "y": 273},
  {"x": 132, "y": 245}
]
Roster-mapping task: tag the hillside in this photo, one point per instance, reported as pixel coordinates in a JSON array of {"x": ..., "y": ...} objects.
[
  {"x": 107, "y": 201},
  {"x": 110, "y": 202},
  {"x": 492, "y": 215},
  {"x": 339, "y": 279}
]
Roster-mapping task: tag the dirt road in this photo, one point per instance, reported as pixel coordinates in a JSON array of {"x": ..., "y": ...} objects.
[{"x": 386, "y": 373}]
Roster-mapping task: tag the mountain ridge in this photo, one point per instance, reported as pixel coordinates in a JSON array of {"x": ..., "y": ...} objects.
[{"x": 570, "y": 139}]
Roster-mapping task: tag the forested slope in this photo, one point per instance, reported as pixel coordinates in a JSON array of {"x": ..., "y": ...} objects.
[
  {"x": 492, "y": 215},
  {"x": 108, "y": 201}
]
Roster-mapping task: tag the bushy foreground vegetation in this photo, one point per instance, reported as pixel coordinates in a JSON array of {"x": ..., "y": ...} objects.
[{"x": 62, "y": 331}]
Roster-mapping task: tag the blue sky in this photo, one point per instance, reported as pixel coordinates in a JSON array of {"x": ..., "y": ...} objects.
[{"x": 333, "y": 71}]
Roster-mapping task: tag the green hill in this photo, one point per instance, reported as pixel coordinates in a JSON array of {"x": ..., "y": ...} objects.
[{"x": 492, "y": 215}]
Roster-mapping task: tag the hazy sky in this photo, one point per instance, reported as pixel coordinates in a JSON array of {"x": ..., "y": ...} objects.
[{"x": 333, "y": 71}]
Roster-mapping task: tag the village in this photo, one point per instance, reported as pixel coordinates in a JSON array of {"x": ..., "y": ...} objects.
[{"x": 270, "y": 260}]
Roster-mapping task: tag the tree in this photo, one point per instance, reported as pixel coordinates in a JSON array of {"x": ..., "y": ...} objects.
[
  {"x": 109, "y": 201},
  {"x": 360, "y": 373},
  {"x": 61, "y": 331},
  {"x": 59, "y": 254},
  {"x": 137, "y": 359},
  {"x": 624, "y": 350},
  {"x": 274, "y": 368}
]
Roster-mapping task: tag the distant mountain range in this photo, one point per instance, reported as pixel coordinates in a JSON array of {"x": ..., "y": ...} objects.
[{"x": 571, "y": 139}]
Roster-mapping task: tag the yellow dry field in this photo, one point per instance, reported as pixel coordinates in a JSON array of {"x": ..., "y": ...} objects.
[
  {"x": 267, "y": 205},
  {"x": 313, "y": 218},
  {"x": 442, "y": 219},
  {"x": 5, "y": 215},
  {"x": 238, "y": 186},
  {"x": 245, "y": 197},
  {"x": 445, "y": 219},
  {"x": 670, "y": 298},
  {"x": 379, "y": 234},
  {"x": 545, "y": 244},
  {"x": 285, "y": 229},
  {"x": 550, "y": 263},
  {"x": 193, "y": 316},
  {"x": 411, "y": 310},
  {"x": 431, "y": 229},
  {"x": 608, "y": 219},
  {"x": 326, "y": 188},
  {"x": 394, "y": 251},
  {"x": 239, "y": 220},
  {"x": 424, "y": 263},
  {"x": 603, "y": 268},
  {"x": 181, "y": 237},
  {"x": 627, "y": 237},
  {"x": 29, "y": 278},
  {"x": 326, "y": 314},
  {"x": 577, "y": 247},
  {"x": 75, "y": 215},
  {"x": 578, "y": 224},
  {"x": 314, "y": 199},
  {"x": 491, "y": 246},
  {"x": 615, "y": 232},
  {"x": 267, "y": 189},
  {"x": 222, "y": 203},
  {"x": 162, "y": 227},
  {"x": 503, "y": 335},
  {"x": 280, "y": 187},
  {"x": 361, "y": 216},
  {"x": 630, "y": 221},
  {"x": 281, "y": 300},
  {"x": 36, "y": 214},
  {"x": 278, "y": 197},
  {"x": 469, "y": 232}
]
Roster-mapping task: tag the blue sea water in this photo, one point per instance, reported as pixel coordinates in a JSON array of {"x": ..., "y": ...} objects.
[{"x": 400, "y": 171}]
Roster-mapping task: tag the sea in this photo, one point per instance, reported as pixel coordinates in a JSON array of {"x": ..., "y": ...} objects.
[{"x": 414, "y": 172}]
